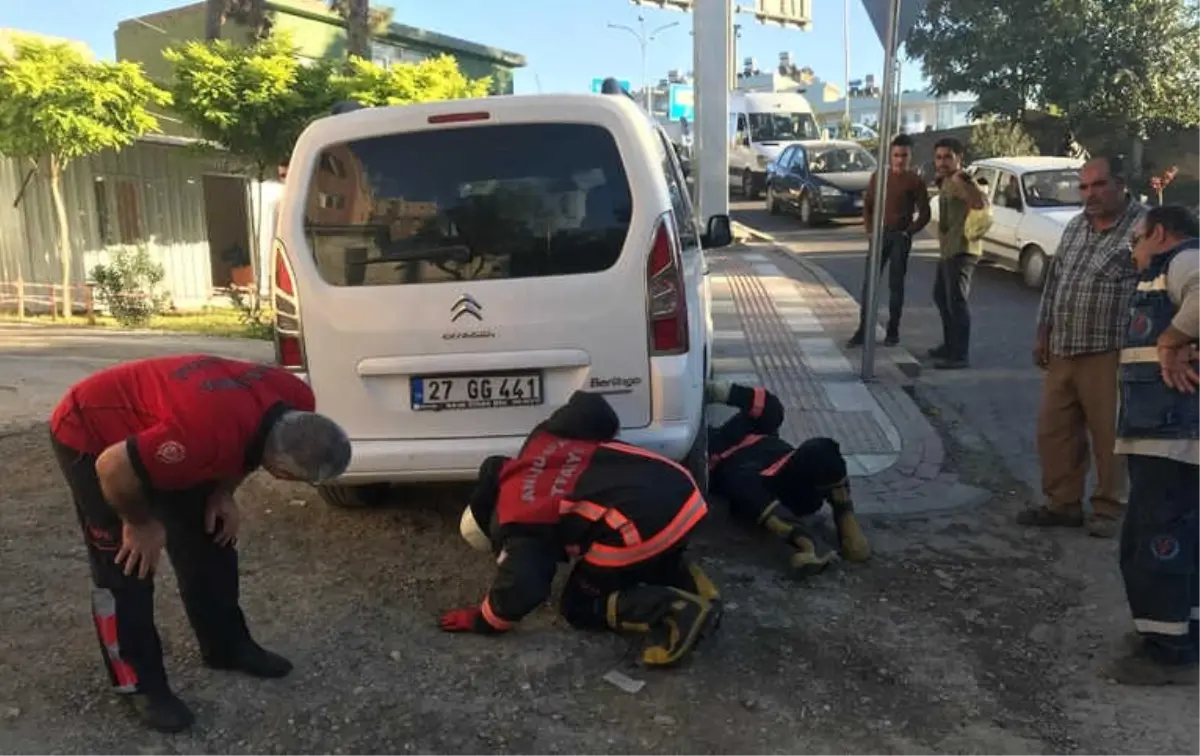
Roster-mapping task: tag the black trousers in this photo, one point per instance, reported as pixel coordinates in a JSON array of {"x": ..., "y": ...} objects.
[
  {"x": 123, "y": 605},
  {"x": 1159, "y": 555},
  {"x": 588, "y": 587},
  {"x": 951, "y": 289},
  {"x": 894, "y": 256}
]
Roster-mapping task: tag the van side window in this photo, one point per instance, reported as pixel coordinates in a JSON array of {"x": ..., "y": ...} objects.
[
  {"x": 681, "y": 202},
  {"x": 446, "y": 205}
]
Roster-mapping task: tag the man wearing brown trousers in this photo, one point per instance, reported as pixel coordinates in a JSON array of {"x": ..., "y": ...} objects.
[{"x": 1080, "y": 328}]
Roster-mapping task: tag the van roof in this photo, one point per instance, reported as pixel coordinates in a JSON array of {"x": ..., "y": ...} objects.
[{"x": 774, "y": 100}]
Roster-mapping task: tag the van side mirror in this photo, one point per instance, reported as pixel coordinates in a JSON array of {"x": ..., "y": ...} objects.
[
  {"x": 745, "y": 140},
  {"x": 718, "y": 234}
]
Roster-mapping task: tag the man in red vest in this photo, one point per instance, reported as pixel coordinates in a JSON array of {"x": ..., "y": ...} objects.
[
  {"x": 153, "y": 451},
  {"x": 622, "y": 512}
]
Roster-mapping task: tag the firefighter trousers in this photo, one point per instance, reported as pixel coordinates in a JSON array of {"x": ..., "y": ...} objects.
[
  {"x": 668, "y": 598},
  {"x": 1159, "y": 555},
  {"x": 123, "y": 605}
]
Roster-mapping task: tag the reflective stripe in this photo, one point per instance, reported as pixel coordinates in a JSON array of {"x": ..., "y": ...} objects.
[
  {"x": 490, "y": 617},
  {"x": 1160, "y": 628},
  {"x": 779, "y": 463},
  {"x": 767, "y": 512},
  {"x": 1139, "y": 354},
  {"x": 749, "y": 440},
  {"x": 1159, "y": 283},
  {"x": 759, "y": 403},
  {"x": 590, "y": 510},
  {"x": 640, "y": 452},
  {"x": 690, "y": 514}
]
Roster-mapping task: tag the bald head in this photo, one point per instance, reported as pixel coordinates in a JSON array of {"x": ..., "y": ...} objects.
[{"x": 306, "y": 446}]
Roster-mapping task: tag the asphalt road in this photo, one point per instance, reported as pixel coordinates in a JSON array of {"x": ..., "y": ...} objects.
[{"x": 998, "y": 396}]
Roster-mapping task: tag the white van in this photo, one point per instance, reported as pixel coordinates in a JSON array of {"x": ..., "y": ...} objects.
[
  {"x": 761, "y": 124},
  {"x": 447, "y": 274}
]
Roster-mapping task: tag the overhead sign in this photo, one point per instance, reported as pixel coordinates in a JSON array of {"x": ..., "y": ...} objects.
[
  {"x": 681, "y": 102},
  {"x": 598, "y": 84},
  {"x": 910, "y": 10},
  {"x": 797, "y": 13}
]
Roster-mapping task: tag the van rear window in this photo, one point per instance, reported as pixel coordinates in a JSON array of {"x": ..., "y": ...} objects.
[{"x": 478, "y": 203}]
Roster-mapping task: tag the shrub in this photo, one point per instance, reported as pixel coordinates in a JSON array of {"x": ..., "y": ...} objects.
[
  {"x": 256, "y": 319},
  {"x": 995, "y": 138},
  {"x": 128, "y": 286}
]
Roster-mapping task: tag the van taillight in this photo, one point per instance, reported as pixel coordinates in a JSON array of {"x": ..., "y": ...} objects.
[
  {"x": 289, "y": 342},
  {"x": 666, "y": 308}
]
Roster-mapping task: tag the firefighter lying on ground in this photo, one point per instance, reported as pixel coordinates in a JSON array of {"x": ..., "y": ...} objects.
[
  {"x": 772, "y": 484},
  {"x": 622, "y": 513}
]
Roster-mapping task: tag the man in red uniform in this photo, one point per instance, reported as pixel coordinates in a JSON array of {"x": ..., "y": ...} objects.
[
  {"x": 771, "y": 484},
  {"x": 153, "y": 451},
  {"x": 622, "y": 512}
]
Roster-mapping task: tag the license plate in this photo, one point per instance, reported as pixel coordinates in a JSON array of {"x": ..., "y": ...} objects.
[{"x": 450, "y": 392}]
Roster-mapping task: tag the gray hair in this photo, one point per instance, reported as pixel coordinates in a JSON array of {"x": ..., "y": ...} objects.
[{"x": 307, "y": 446}]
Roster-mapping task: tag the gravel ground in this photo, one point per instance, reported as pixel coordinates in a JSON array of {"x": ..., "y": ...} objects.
[{"x": 964, "y": 634}]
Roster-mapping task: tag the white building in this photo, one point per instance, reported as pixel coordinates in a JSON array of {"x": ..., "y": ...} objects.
[{"x": 919, "y": 110}]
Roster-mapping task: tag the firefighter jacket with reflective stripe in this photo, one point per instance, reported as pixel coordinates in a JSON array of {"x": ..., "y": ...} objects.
[
  {"x": 574, "y": 492},
  {"x": 1149, "y": 408}
]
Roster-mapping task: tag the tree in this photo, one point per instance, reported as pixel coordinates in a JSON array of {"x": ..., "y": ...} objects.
[
  {"x": 429, "y": 80},
  {"x": 249, "y": 13},
  {"x": 362, "y": 21},
  {"x": 56, "y": 105},
  {"x": 1130, "y": 63},
  {"x": 998, "y": 138}
]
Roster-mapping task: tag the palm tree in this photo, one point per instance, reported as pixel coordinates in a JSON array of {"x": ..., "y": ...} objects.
[
  {"x": 251, "y": 13},
  {"x": 362, "y": 21}
]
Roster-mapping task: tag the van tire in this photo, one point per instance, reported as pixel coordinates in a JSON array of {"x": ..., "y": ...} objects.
[
  {"x": 355, "y": 497},
  {"x": 696, "y": 460},
  {"x": 1034, "y": 265}
]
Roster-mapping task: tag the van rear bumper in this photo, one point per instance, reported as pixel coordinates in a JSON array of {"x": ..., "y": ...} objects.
[{"x": 457, "y": 459}]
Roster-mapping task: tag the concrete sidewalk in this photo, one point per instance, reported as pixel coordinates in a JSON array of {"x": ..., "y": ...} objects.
[{"x": 779, "y": 322}]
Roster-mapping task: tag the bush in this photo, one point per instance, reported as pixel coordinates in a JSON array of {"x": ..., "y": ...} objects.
[
  {"x": 996, "y": 138},
  {"x": 128, "y": 286},
  {"x": 256, "y": 319}
]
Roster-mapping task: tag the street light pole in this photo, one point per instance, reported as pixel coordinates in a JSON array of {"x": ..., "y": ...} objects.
[
  {"x": 644, "y": 41},
  {"x": 846, "y": 56}
]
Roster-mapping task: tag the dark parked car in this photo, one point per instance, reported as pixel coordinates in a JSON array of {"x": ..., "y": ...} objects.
[{"x": 819, "y": 180}]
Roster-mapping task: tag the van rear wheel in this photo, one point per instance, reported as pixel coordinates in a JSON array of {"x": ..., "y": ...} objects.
[
  {"x": 696, "y": 460},
  {"x": 355, "y": 497}
]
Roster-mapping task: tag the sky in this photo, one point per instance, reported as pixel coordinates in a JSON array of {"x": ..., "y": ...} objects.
[{"x": 567, "y": 43}]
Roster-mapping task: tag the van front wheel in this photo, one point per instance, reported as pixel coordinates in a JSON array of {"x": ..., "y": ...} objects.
[
  {"x": 354, "y": 497},
  {"x": 749, "y": 190}
]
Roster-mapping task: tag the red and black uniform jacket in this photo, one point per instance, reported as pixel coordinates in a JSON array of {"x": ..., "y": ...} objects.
[
  {"x": 186, "y": 420},
  {"x": 574, "y": 492},
  {"x": 746, "y": 453}
]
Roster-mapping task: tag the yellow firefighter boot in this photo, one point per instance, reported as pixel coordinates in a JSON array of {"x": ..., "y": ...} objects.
[
  {"x": 671, "y": 619},
  {"x": 805, "y": 561},
  {"x": 854, "y": 544}
]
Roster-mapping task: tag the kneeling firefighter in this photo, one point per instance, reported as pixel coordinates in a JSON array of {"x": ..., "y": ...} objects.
[
  {"x": 770, "y": 483},
  {"x": 621, "y": 512}
]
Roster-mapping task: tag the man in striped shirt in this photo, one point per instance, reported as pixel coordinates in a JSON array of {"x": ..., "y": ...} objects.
[{"x": 1080, "y": 329}]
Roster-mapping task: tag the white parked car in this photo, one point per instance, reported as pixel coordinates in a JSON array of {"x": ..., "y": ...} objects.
[
  {"x": 1032, "y": 200},
  {"x": 446, "y": 274}
]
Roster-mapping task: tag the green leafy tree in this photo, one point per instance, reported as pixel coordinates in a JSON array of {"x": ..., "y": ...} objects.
[
  {"x": 1131, "y": 64},
  {"x": 56, "y": 105},
  {"x": 999, "y": 138},
  {"x": 429, "y": 80}
]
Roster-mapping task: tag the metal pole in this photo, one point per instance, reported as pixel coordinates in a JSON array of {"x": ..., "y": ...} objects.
[
  {"x": 645, "y": 86},
  {"x": 886, "y": 118},
  {"x": 846, "y": 51}
]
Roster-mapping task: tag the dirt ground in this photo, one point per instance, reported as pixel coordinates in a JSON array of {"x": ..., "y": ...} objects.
[{"x": 964, "y": 634}]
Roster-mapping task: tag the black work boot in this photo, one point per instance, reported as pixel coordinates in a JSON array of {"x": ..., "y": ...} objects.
[
  {"x": 893, "y": 335},
  {"x": 162, "y": 711},
  {"x": 951, "y": 363},
  {"x": 252, "y": 659},
  {"x": 856, "y": 340}
]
